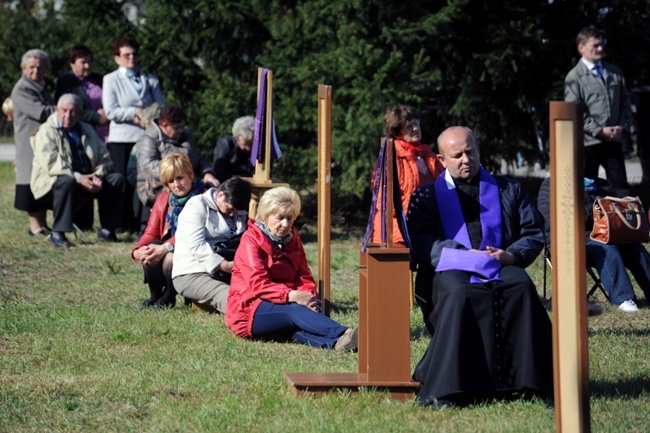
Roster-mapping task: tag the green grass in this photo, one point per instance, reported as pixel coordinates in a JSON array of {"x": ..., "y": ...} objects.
[{"x": 76, "y": 355}]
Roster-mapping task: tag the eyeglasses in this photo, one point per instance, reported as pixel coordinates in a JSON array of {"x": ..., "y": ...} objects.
[
  {"x": 413, "y": 125},
  {"x": 128, "y": 55}
]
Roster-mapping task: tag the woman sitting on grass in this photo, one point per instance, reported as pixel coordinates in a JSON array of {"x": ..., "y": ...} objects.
[
  {"x": 155, "y": 249},
  {"x": 209, "y": 230},
  {"x": 272, "y": 292}
]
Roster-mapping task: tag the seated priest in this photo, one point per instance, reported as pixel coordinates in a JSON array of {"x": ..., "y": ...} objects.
[
  {"x": 477, "y": 232},
  {"x": 72, "y": 165}
]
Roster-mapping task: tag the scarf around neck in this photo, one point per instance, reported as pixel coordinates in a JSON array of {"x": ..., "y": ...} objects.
[
  {"x": 277, "y": 242},
  {"x": 177, "y": 203},
  {"x": 414, "y": 149},
  {"x": 483, "y": 267}
]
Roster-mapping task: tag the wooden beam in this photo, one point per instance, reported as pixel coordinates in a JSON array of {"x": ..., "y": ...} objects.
[
  {"x": 324, "y": 193},
  {"x": 570, "y": 345}
]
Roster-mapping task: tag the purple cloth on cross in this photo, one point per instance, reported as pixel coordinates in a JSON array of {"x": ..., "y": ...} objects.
[{"x": 258, "y": 148}]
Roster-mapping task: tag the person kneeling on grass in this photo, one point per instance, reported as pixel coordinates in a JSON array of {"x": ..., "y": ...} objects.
[
  {"x": 208, "y": 230},
  {"x": 155, "y": 249},
  {"x": 272, "y": 292}
]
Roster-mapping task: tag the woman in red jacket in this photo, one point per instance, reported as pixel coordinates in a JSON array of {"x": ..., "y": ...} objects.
[
  {"x": 272, "y": 291},
  {"x": 155, "y": 249}
]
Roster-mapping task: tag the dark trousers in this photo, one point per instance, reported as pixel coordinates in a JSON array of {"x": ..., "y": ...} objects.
[
  {"x": 489, "y": 339},
  {"x": 610, "y": 155},
  {"x": 67, "y": 198},
  {"x": 120, "y": 154},
  {"x": 159, "y": 278}
]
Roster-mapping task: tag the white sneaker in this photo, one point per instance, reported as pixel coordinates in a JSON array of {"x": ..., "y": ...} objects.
[{"x": 628, "y": 306}]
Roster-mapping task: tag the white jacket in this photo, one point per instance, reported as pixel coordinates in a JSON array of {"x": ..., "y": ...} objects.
[
  {"x": 120, "y": 100},
  {"x": 200, "y": 227}
]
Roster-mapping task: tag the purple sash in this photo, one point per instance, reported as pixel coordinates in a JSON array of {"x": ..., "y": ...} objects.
[
  {"x": 482, "y": 266},
  {"x": 379, "y": 181},
  {"x": 257, "y": 151}
]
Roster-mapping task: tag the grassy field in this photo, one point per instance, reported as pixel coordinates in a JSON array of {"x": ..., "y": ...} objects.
[{"x": 77, "y": 355}]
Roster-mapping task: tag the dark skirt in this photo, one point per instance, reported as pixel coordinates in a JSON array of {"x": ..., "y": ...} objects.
[
  {"x": 120, "y": 154},
  {"x": 490, "y": 340},
  {"x": 24, "y": 199}
]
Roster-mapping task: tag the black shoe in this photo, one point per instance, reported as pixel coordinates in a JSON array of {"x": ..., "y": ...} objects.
[
  {"x": 147, "y": 303},
  {"x": 106, "y": 235},
  {"x": 163, "y": 303},
  {"x": 59, "y": 240}
]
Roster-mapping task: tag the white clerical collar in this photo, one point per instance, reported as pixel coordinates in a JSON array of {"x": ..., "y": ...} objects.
[{"x": 450, "y": 180}]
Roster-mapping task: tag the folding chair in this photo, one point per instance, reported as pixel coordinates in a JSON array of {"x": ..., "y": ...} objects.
[
  {"x": 78, "y": 233},
  {"x": 592, "y": 309},
  {"x": 597, "y": 284}
]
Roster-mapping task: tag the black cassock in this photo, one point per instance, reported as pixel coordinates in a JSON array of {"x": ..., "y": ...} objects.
[{"x": 490, "y": 339}]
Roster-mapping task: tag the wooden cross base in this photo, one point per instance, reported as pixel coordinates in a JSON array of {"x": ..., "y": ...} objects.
[
  {"x": 318, "y": 384},
  {"x": 384, "y": 331}
]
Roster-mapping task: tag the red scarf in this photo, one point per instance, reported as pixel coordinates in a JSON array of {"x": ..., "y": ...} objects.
[{"x": 412, "y": 149}]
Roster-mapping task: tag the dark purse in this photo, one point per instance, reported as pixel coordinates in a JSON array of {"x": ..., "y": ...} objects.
[
  {"x": 227, "y": 250},
  {"x": 619, "y": 221}
]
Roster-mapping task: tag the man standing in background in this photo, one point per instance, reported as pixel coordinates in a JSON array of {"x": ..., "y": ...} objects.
[{"x": 600, "y": 88}]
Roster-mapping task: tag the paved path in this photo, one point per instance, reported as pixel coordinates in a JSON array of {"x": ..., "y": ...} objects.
[
  {"x": 8, "y": 153},
  {"x": 632, "y": 168}
]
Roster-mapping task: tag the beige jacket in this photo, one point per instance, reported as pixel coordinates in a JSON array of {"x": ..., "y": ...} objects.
[{"x": 52, "y": 155}]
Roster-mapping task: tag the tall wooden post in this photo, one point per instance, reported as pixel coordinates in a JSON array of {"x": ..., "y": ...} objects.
[
  {"x": 570, "y": 351},
  {"x": 263, "y": 169},
  {"x": 324, "y": 192}
]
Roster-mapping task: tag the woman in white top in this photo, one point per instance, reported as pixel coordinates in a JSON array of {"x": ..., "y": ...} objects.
[
  {"x": 126, "y": 93},
  {"x": 207, "y": 235}
]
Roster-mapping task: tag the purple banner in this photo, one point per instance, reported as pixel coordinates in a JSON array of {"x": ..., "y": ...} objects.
[{"x": 259, "y": 143}]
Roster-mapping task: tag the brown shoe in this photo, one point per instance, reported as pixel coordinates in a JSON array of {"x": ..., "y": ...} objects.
[{"x": 348, "y": 341}]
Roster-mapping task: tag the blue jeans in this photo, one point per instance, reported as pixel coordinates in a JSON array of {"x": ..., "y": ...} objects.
[
  {"x": 611, "y": 262},
  {"x": 304, "y": 325}
]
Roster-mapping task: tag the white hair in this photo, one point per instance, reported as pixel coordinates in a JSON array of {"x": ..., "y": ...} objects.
[
  {"x": 35, "y": 54},
  {"x": 70, "y": 98},
  {"x": 244, "y": 127}
]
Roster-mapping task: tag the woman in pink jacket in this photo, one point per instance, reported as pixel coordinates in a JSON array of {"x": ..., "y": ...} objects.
[{"x": 272, "y": 291}]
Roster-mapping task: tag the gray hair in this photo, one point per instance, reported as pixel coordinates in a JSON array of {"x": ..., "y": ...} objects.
[
  {"x": 244, "y": 127},
  {"x": 35, "y": 54},
  {"x": 70, "y": 98}
]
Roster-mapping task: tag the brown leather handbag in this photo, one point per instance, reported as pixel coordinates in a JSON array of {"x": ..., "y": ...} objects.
[{"x": 619, "y": 221}]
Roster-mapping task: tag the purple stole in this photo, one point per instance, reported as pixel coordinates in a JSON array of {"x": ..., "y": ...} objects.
[
  {"x": 483, "y": 267},
  {"x": 259, "y": 137}
]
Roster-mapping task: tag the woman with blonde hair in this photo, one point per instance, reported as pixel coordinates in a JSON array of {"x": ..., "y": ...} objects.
[
  {"x": 155, "y": 249},
  {"x": 272, "y": 291}
]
